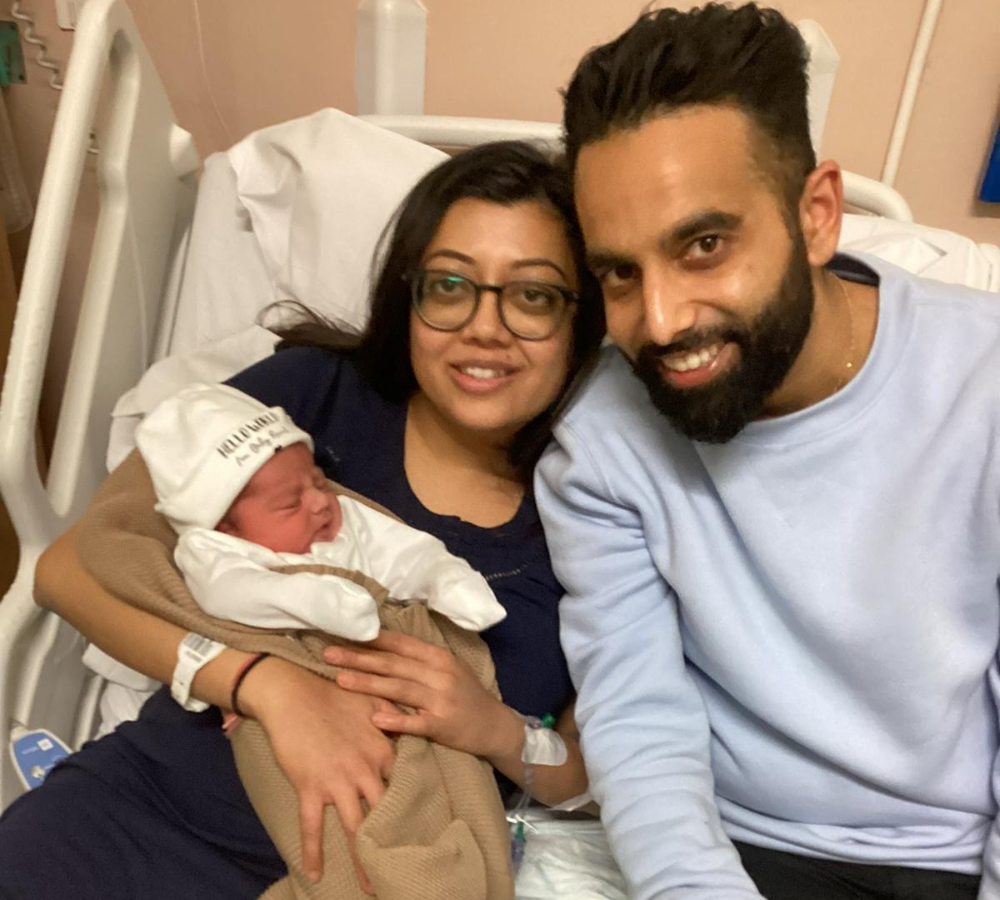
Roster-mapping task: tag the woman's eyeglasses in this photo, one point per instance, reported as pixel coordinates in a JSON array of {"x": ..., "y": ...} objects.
[{"x": 530, "y": 310}]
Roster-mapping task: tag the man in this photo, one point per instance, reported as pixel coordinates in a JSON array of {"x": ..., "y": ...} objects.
[{"x": 776, "y": 511}]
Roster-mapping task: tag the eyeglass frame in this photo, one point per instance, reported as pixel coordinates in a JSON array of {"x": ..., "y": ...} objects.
[{"x": 569, "y": 296}]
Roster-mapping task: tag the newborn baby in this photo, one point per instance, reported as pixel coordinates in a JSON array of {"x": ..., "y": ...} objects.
[{"x": 238, "y": 482}]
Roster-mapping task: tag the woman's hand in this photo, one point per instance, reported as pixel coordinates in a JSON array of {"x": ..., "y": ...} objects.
[
  {"x": 449, "y": 705},
  {"x": 324, "y": 740}
]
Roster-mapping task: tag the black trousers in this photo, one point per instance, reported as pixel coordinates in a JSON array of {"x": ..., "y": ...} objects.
[{"x": 787, "y": 876}]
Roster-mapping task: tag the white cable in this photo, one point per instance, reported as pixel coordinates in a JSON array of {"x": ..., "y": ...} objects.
[
  {"x": 30, "y": 37},
  {"x": 204, "y": 70}
]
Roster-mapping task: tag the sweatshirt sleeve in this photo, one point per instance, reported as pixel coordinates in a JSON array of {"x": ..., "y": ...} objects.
[
  {"x": 231, "y": 585},
  {"x": 645, "y": 732},
  {"x": 414, "y": 565}
]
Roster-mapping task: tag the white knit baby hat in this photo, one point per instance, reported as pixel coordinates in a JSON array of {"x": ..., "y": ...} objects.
[{"x": 204, "y": 443}]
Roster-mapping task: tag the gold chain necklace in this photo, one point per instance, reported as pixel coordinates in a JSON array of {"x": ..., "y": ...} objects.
[{"x": 849, "y": 368}]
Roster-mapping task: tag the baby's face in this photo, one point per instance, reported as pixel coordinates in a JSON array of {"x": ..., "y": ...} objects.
[{"x": 287, "y": 505}]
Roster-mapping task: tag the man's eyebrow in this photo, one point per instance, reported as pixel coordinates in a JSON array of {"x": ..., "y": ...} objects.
[
  {"x": 705, "y": 220},
  {"x": 606, "y": 259},
  {"x": 700, "y": 222}
]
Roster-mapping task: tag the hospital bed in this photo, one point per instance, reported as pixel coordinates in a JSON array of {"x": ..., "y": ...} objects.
[{"x": 185, "y": 254}]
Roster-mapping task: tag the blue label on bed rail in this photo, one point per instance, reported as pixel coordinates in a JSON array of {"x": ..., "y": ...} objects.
[{"x": 35, "y": 753}]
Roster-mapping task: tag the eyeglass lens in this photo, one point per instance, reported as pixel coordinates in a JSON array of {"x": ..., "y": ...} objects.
[{"x": 530, "y": 309}]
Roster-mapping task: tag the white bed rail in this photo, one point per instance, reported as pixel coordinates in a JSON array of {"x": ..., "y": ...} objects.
[
  {"x": 871, "y": 196},
  {"x": 145, "y": 170},
  {"x": 866, "y": 194},
  {"x": 452, "y": 131}
]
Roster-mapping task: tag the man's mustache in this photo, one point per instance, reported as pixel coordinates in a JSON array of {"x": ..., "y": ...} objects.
[{"x": 694, "y": 340}]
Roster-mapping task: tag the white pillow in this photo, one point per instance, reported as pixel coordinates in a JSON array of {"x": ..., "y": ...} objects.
[
  {"x": 292, "y": 211},
  {"x": 319, "y": 191},
  {"x": 219, "y": 278}
]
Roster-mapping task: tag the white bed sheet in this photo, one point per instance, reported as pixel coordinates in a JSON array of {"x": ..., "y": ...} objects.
[
  {"x": 929, "y": 252},
  {"x": 567, "y": 858}
]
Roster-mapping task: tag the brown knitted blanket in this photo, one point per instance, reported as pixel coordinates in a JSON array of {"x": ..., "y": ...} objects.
[{"x": 438, "y": 833}]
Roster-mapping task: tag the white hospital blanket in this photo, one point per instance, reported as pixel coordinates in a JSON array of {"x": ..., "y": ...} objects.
[{"x": 567, "y": 859}]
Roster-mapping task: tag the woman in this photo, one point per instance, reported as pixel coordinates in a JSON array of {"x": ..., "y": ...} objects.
[{"x": 483, "y": 319}]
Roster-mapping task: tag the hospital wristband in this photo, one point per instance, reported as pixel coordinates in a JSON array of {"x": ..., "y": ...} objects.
[
  {"x": 543, "y": 746},
  {"x": 193, "y": 652}
]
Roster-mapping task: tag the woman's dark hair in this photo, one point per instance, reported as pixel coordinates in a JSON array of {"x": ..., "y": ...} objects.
[
  {"x": 505, "y": 173},
  {"x": 751, "y": 57}
]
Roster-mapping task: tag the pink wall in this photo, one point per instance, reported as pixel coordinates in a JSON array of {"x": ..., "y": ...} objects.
[
  {"x": 265, "y": 62},
  {"x": 954, "y": 122}
]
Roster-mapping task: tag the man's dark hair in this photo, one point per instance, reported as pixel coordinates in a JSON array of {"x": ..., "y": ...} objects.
[{"x": 751, "y": 58}]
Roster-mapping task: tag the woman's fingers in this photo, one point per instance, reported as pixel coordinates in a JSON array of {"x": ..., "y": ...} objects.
[
  {"x": 373, "y": 790},
  {"x": 407, "y": 645},
  {"x": 387, "y": 650},
  {"x": 401, "y": 723},
  {"x": 383, "y": 705},
  {"x": 365, "y": 660},
  {"x": 311, "y": 826},
  {"x": 351, "y": 816},
  {"x": 449, "y": 704},
  {"x": 325, "y": 743},
  {"x": 409, "y": 693}
]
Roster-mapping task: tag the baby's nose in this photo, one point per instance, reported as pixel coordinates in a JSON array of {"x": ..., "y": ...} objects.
[{"x": 318, "y": 499}]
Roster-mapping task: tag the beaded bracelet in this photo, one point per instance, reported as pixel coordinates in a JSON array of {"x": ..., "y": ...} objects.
[{"x": 241, "y": 674}]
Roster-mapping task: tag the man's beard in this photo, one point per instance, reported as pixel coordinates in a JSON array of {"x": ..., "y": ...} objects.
[{"x": 769, "y": 345}]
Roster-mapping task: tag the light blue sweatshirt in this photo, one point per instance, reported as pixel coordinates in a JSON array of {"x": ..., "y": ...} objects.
[{"x": 791, "y": 639}]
